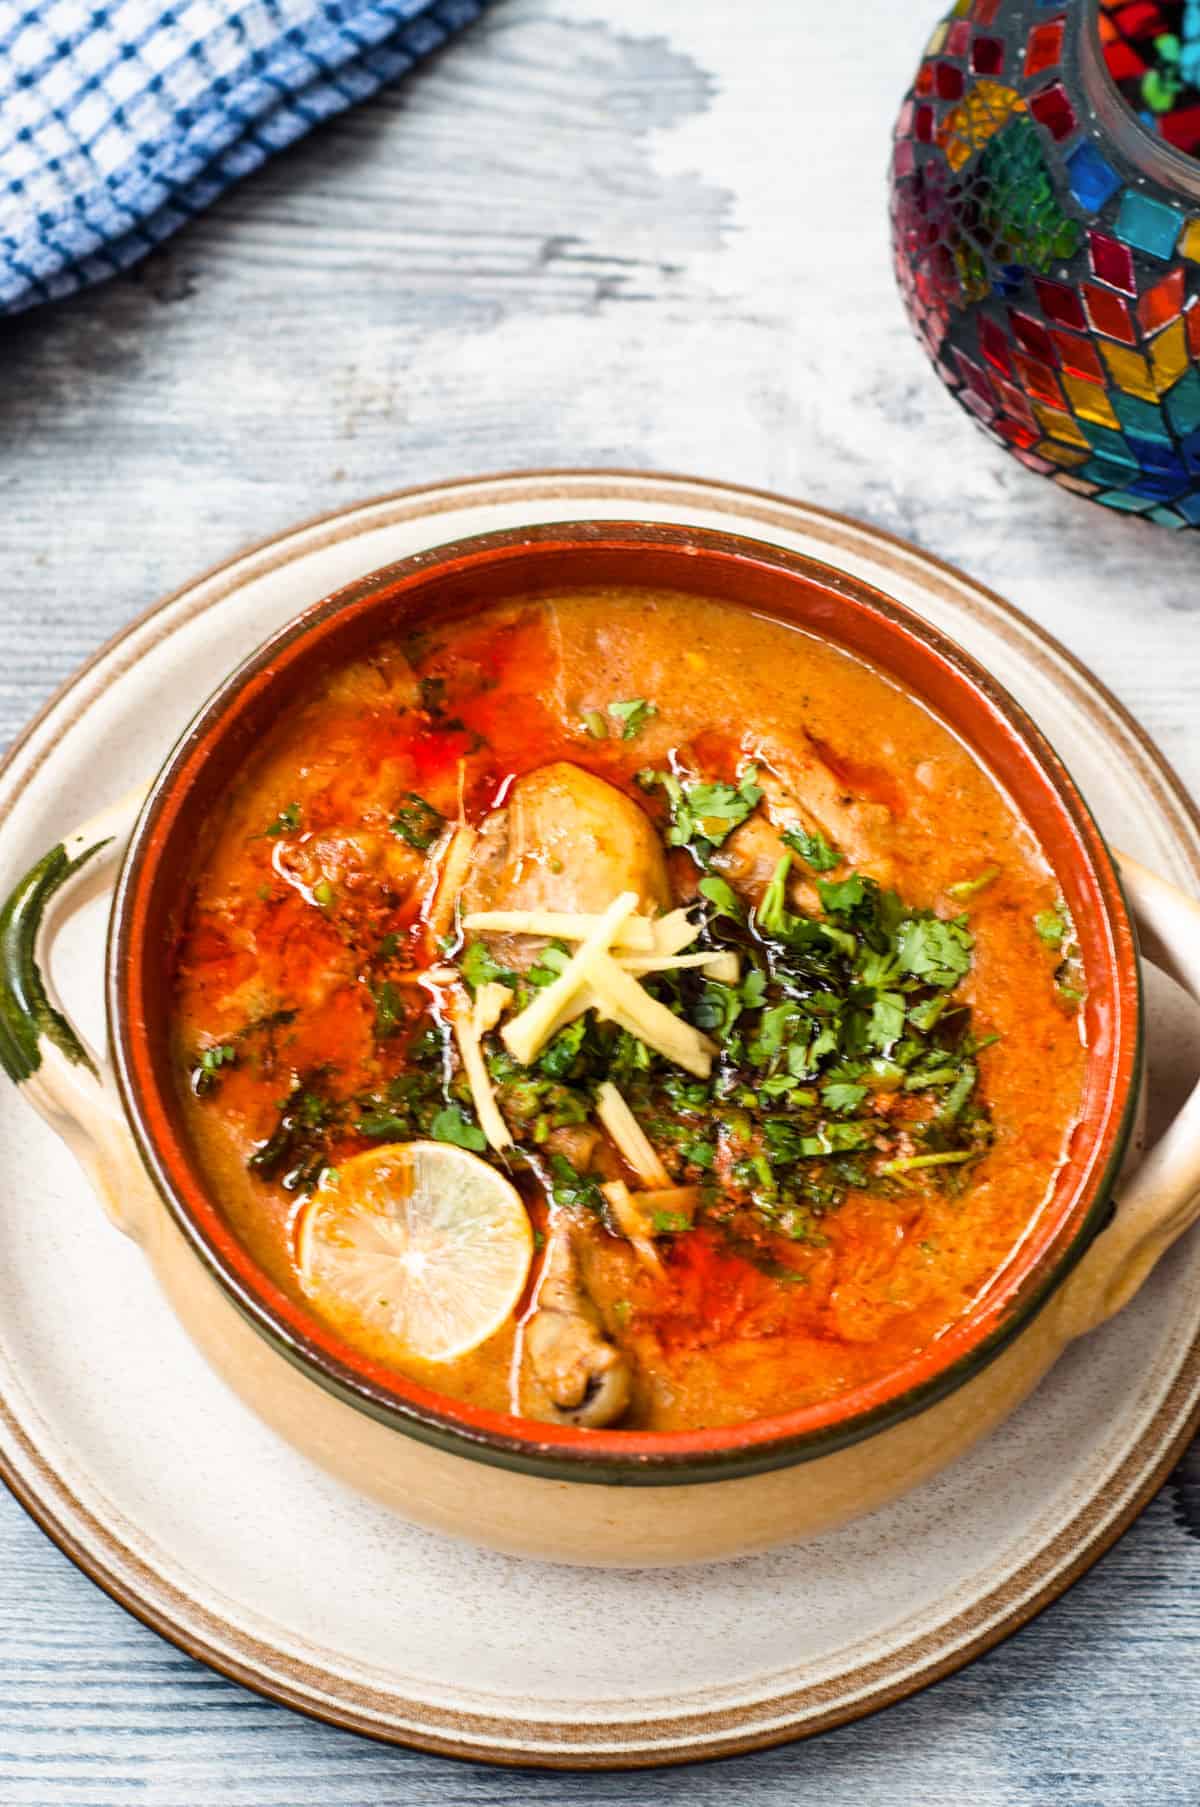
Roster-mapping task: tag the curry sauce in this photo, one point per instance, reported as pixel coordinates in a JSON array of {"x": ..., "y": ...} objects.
[{"x": 878, "y": 986}]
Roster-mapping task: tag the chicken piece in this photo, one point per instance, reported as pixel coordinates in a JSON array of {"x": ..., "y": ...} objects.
[
  {"x": 564, "y": 840},
  {"x": 351, "y": 860},
  {"x": 800, "y": 791},
  {"x": 583, "y": 1378}
]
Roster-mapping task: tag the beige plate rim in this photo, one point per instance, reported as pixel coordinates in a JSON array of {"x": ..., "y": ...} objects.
[{"x": 186, "y": 1623}]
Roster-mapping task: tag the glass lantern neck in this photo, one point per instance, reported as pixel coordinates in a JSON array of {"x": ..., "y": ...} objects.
[{"x": 1149, "y": 154}]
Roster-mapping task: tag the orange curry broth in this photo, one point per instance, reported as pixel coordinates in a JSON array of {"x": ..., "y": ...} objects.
[{"x": 721, "y": 1340}]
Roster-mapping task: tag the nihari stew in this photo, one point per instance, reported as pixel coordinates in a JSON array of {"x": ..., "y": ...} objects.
[{"x": 619, "y": 1009}]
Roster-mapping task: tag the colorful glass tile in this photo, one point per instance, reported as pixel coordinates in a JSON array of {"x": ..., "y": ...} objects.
[
  {"x": 1152, "y": 51},
  {"x": 1123, "y": 61},
  {"x": 1107, "y": 313},
  {"x": 966, "y": 128},
  {"x": 1111, "y": 447},
  {"x": 1123, "y": 499},
  {"x": 1060, "y": 303},
  {"x": 1031, "y": 335},
  {"x": 1160, "y": 486},
  {"x": 1026, "y": 248},
  {"x": 1079, "y": 356},
  {"x": 1148, "y": 225},
  {"x": 1092, "y": 178},
  {"x": 1103, "y": 474},
  {"x": 948, "y": 81},
  {"x": 984, "y": 410},
  {"x": 1013, "y": 401},
  {"x": 1043, "y": 466},
  {"x": 1169, "y": 356},
  {"x": 1111, "y": 262},
  {"x": 973, "y": 375},
  {"x": 1162, "y": 303},
  {"x": 1043, "y": 47},
  {"x": 1167, "y": 517},
  {"x": 1189, "y": 508},
  {"x": 1182, "y": 405},
  {"x": 1059, "y": 425},
  {"x": 994, "y": 345},
  {"x": 1016, "y": 432},
  {"x": 987, "y": 56},
  {"x": 937, "y": 38},
  {"x": 1038, "y": 379},
  {"x": 1052, "y": 108},
  {"x": 1181, "y": 127},
  {"x": 1158, "y": 456},
  {"x": 1129, "y": 370},
  {"x": 1090, "y": 402},
  {"x": 1062, "y": 454},
  {"x": 1140, "y": 419}
]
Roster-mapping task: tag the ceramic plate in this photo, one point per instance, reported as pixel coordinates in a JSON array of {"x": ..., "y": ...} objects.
[{"x": 160, "y": 1485}]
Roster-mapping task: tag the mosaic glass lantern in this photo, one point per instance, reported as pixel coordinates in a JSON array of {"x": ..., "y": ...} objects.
[{"x": 1046, "y": 227}]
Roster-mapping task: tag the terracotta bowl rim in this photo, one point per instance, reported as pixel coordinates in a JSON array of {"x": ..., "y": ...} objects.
[{"x": 628, "y": 1457}]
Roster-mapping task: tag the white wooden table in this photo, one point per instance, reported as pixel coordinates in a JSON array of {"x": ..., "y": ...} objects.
[{"x": 649, "y": 233}]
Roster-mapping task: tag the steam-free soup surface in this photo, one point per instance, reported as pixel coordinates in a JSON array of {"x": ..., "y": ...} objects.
[{"x": 893, "y": 1040}]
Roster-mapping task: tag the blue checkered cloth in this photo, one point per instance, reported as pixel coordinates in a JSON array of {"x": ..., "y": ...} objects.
[{"x": 120, "y": 119}]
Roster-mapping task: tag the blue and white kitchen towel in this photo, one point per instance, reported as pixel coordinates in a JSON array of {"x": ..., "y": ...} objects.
[{"x": 120, "y": 119}]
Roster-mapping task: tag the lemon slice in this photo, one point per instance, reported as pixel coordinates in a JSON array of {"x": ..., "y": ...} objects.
[{"x": 416, "y": 1249}]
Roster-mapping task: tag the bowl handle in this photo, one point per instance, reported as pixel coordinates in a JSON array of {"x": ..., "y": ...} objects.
[
  {"x": 41, "y": 1050},
  {"x": 1161, "y": 1198}
]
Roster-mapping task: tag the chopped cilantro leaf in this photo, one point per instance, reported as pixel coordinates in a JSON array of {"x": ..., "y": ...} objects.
[
  {"x": 285, "y": 821},
  {"x": 1051, "y": 927},
  {"x": 552, "y": 961},
  {"x": 722, "y": 896},
  {"x": 754, "y": 988},
  {"x": 812, "y": 848},
  {"x": 452, "y": 1124},
  {"x": 910, "y": 1163},
  {"x": 416, "y": 821},
  {"x": 772, "y": 915},
  {"x": 842, "y": 896},
  {"x": 839, "y": 1097},
  {"x": 571, "y": 1189},
  {"x": 704, "y": 813},
  {"x": 479, "y": 967},
  {"x": 389, "y": 1010},
  {"x": 969, "y": 887},
  {"x": 886, "y": 1024},
  {"x": 204, "y": 1073},
  {"x": 634, "y": 714},
  {"x": 670, "y": 1223},
  {"x": 560, "y": 1055},
  {"x": 933, "y": 950},
  {"x": 294, "y": 1154},
  {"x": 955, "y": 1100}
]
